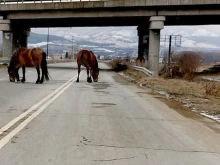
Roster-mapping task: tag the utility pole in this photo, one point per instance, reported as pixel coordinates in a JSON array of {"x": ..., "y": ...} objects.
[
  {"x": 47, "y": 41},
  {"x": 72, "y": 44},
  {"x": 169, "y": 54},
  {"x": 177, "y": 39}
]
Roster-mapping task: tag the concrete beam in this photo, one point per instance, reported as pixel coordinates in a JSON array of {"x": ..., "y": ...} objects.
[
  {"x": 5, "y": 25},
  {"x": 157, "y": 22},
  {"x": 189, "y": 12},
  {"x": 79, "y": 14}
]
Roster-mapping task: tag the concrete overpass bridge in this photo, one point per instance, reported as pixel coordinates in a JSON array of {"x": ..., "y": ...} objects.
[{"x": 150, "y": 16}]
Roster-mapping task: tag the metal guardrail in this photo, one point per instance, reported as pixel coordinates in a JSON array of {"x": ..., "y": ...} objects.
[
  {"x": 44, "y": 1},
  {"x": 142, "y": 69}
]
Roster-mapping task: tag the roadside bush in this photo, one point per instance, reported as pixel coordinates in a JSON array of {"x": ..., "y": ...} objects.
[
  {"x": 114, "y": 63},
  {"x": 189, "y": 62},
  {"x": 172, "y": 71},
  {"x": 117, "y": 65}
]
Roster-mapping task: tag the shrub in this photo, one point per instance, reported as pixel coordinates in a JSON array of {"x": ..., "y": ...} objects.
[
  {"x": 117, "y": 65},
  {"x": 189, "y": 63}
]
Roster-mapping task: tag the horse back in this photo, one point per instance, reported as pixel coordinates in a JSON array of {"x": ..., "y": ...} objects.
[
  {"x": 30, "y": 57},
  {"x": 37, "y": 55},
  {"x": 84, "y": 58}
]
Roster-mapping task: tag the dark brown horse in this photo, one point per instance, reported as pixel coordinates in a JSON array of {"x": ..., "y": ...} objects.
[
  {"x": 24, "y": 57},
  {"x": 141, "y": 60},
  {"x": 88, "y": 60}
]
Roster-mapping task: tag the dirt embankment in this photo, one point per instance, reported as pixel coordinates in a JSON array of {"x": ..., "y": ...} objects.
[{"x": 201, "y": 96}]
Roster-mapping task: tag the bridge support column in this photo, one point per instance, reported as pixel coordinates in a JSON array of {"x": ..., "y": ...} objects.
[
  {"x": 143, "y": 41},
  {"x": 14, "y": 39},
  {"x": 7, "y": 37},
  {"x": 20, "y": 36},
  {"x": 156, "y": 24}
]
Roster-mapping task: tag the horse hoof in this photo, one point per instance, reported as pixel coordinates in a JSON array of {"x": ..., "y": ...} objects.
[
  {"x": 77, "y": 80},
  {"x": 89, "y": 80},
  {"x": 22, "y": 81}
]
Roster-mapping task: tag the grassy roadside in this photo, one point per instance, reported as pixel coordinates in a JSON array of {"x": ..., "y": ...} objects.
[{"x": 200, "y": 96}]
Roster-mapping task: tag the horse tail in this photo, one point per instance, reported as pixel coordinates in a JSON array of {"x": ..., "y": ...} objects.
[
  {"x": 84, "y": 61},
  {"x": 44, "y": 66}
]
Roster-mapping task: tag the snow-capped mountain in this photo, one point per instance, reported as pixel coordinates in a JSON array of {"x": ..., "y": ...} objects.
[
  {"x": 119, "y": 40},
  {"x": 197, "y": 37}
]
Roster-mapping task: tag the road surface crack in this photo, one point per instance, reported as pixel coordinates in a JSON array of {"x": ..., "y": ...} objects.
[
  {"x": 108, "y": 160},
  {"x": 153, "y": 149}
]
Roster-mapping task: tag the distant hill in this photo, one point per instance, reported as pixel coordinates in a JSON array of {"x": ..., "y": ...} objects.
[{"x": 37, "y": 38}]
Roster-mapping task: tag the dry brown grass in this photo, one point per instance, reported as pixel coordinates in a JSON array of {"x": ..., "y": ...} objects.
[
  {"x": 3, "y": 66},
  {"x": 203, "y": 95},
  {"x": 212, "y": 88}
]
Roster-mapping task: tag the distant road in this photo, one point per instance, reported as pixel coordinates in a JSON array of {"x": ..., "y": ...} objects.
[
  {"x": 109, "y": 122},
  {"x": 73, "y": 65}
]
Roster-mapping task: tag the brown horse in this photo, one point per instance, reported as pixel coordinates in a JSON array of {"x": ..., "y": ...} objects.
[
  {"x": 141, "y": 60},
  {"x": 88, "y": 60},
  {"x": 24, "y": 57}
]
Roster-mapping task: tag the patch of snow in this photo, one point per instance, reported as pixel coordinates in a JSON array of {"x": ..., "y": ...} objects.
[
  {"x": 193, "y": 44},
  {"x": 212, "y": 78},
  {"x": 91, "y": 46},
  {"x": 216, "y": 118},
  {"x": 102, "y": 49},
  {"x": 39, "y": 44},
  {"x": 204, "y": 32}
]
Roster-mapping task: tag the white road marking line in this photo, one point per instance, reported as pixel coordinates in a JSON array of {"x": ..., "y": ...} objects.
[
  {"x": 11, "y": 123},
  {"x": 8, "y": 137}
]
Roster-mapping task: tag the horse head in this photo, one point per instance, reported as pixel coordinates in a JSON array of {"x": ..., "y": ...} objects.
[
  {"x": 95, "y": 74},
  {"x": 11, "y": 73},
  {"x": 12, "y": 67}
]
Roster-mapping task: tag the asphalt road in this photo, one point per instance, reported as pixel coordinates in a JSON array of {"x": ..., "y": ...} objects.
[{"x": 108, "y": 122}]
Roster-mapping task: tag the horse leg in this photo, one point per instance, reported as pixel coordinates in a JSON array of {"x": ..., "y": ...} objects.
[
  {"x": 17, "y": 72},
  {"x": 17, "y": 75},
  {"x": 38, "y": 74},
  {"x": 78, "y": 73},
  {"x": 89, "y": 80},
  {"x": 23, "y": 71},
  {"x": 42, "y": 76}
]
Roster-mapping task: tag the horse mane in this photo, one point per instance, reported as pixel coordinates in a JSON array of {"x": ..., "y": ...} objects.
[
  {"x": 96, "y": 62},
  {"x": 13, "y": 61}
]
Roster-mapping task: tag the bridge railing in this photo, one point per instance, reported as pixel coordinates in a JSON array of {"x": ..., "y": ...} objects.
[{"x": 43, "y": 1}]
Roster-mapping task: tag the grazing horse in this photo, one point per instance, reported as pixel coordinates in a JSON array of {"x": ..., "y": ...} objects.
[
  {"x": 88, "y": 59},
  {"x": 141, "y": 60},
  {"x": 24, "y": 57}
]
